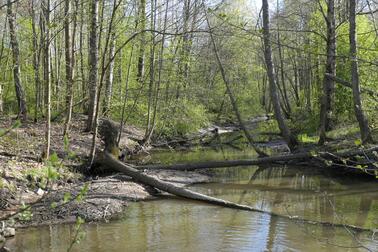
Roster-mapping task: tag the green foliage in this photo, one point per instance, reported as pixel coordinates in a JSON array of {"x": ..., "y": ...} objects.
[
  {"x": 304, "y": 121},
  {"x": 79, "y": 234},
  {"x": 358, "y": 142},
  {"x": 15, "y": 125},
  {"x": 83, "y": 192},
  {"x": 25, "y": 213},
  {"x": 186, "y": 118},
  {"x": 67, "y": 150},
  {"x": 67, "y": 197},
  {"x": 304, "y": 138},
  {"x": 42, "y": 176}
]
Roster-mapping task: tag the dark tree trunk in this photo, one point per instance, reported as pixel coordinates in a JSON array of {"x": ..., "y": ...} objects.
[
  {"x": 46, "y": 72},
  {"x": 20, "y": 94},
  {"x": 141, "y": 23},
  {"x": 36, "y": 63},
  {"x": 93, "y": 63},
  {"x": 328, "y": 84}
]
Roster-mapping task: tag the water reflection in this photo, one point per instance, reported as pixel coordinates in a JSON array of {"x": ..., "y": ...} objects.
[{"x": 178, "y": 225}]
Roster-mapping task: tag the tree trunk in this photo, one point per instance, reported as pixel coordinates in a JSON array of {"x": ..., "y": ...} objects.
[
  {"x": 46, "y": 72},
  {"x": 232, "y": 98},
  {"x": 281, "y": 59},
  {"x": 361, "y": 118},
  {"x": 328, "y": 84},
  {"x": 93, "y": 64},
  {"x": 36, "y": 62},
  {"x": 69, "y": 58},
  {"x": 20, "y": 94},
  {"x": 285, "y": 131},
  {"x": 84, "y": 84},
  {"x": 149, "y": 125},
  {"x": 141, "y": 23},
  {"x": 109, "y": 77}
]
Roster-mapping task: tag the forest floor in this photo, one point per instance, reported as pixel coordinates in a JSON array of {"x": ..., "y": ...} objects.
[{"x": 57, "y": 192}]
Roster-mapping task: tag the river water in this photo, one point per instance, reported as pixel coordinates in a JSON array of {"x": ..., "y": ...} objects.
[{"x": 171, "y": 224}]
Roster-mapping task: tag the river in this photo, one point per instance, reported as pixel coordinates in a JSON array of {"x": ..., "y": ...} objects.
[{"x": 171, "y": 224}]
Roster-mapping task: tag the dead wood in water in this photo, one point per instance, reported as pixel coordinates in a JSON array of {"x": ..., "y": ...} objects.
[
  {"x": 109, "y": 161},
  {"x": 354, "y": 160}
]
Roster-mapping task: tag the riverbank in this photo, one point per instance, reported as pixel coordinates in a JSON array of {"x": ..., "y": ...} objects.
[
  {"x": 56, "y": 192},
  {"x": 33, "y": 193}
]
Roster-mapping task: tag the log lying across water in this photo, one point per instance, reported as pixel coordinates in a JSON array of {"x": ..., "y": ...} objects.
[
  {"x": 337, "y": 159},
  {"x": 110, "y": 161}
]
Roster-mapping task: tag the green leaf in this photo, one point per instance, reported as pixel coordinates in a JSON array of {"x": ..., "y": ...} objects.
[
  {"x": 54, "y": 159},
  {"x": 358, "y": 142},
  {"x": 16, "y": 124},
  {"x": 53, "y": 205},
  {"x": 66, "y": 143},
  {"x": 66, "y": 197}
]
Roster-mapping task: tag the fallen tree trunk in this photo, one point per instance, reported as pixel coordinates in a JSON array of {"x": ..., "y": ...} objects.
[
  {"x": 336, "y": 159},
  {"x": 109, "y": 161}
]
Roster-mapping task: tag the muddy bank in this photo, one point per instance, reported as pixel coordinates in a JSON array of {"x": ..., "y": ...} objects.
[
  {"x": 28, "y": 197},
  {"x": 99, "y": 199},
  {"x": 94, "y": 199}
]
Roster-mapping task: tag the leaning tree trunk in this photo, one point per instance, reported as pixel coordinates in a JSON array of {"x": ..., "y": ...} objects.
[
  {"x": 328, "y": 84},
  {"x": 20, "y": 94},
  {"x": 361, "y": 118},
  {"x": 232, "y": 98},
  {"x": 93, "y": 64},
  {"x": 285, "y": 131}
]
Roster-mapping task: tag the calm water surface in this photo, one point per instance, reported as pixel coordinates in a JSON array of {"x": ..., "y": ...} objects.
[{"x": 180, "y": 225}]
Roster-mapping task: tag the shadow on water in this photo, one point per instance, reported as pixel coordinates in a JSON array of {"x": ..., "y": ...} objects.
[{"x": 172, "y": 224}]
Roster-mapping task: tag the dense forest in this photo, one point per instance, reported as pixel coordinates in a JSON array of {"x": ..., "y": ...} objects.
[
  {"x": 173, "y": 67},
  {"x": 84, "y": 78}
]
